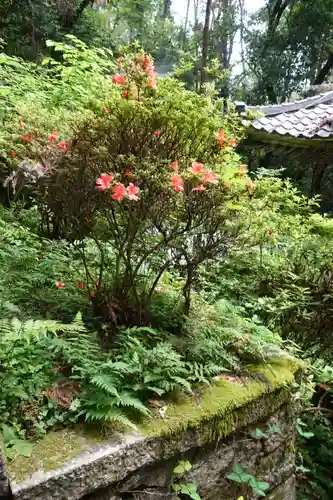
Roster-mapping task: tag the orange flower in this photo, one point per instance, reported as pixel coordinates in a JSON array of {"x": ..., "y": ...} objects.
[
  {"x": 26, "y": 138},
  {"x": 175, "y": 166},
  {"x": 63, "y": 145},
  {"x": 152, "y": 83},
  {"x": 197, "y": 168},
  {"x": 119, "y": 79},
  {"x": 269, "y": 230},
  {"x": 177, "y": 183},
  {"x": 53, "y": 137},
  {"x": 232, "y": 143},
  {"x": 210, "y": 178},
  {"x": 103, "y": 182},
  {"x": 201, "y": 187},
  {"x": 119, "y": 192},
  {"x": 13, "y": 154},
  {"x": 132, "y": 192},
  {"x": 221, "y": 138}
]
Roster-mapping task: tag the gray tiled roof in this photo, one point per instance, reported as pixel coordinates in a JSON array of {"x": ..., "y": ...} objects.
[{"x": 309, "y": 118}]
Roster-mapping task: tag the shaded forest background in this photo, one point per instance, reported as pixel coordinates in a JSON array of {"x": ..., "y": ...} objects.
[{"x": 270, "y": 56}]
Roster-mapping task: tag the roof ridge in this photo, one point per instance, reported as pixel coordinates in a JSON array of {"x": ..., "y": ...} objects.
[{"x": 277, "y": 109}]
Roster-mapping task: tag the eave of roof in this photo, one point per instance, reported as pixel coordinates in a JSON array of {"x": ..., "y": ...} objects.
[{"x": 310, "y": 118}]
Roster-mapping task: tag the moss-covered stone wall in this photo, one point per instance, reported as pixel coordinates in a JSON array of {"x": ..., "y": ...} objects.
[{"x": 212, "y": 429}]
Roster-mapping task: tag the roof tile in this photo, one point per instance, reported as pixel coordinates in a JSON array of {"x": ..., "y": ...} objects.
[{"x": 309, "y": 118}]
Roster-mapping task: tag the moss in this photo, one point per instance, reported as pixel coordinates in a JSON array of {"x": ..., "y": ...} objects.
[
  {"x": 222, "y": 399},
  {"x": 53, "y": 450},
  {"x": 225, "y": 406}
]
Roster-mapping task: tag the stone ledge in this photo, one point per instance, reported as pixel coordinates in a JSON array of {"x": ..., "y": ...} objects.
[{"x": 224, "y": 408}]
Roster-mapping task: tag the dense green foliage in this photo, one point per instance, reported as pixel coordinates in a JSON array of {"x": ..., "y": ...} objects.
[
  {"x": 134, "y": 246},
  {"x": 125, "y": 249}
]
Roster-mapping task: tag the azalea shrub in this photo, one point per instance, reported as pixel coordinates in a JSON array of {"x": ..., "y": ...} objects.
[
  {"x": 155, "y": 175},
  {"x": 39, "y": 105}
]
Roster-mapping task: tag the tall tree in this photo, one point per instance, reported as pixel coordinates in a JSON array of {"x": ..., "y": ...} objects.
[
  {"x": 293, "y": 51},
  {"x": 205, "y": 43}
]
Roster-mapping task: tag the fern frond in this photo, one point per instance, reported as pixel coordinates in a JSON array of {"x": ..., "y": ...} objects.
[
  {"x": 128, "y": 400},
  {"x": 107, "y": 383},
  {"x": 108, "y": 415}
]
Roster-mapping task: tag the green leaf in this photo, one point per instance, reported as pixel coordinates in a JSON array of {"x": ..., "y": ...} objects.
[
  {"x": 8, "y": 433},
  {"x": 182, "y": 467},
  {"x": 24, "y": 448},
  {"x": 259, "y": 434},
  {"x": 233, "y": 476},
  {"x": 176, "y": 487}
]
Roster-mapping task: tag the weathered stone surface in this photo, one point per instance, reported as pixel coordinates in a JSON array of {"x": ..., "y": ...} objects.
[
  {"x": 141, "y": 466},
  {"x": 285, "y": 491},
  {"x": 5, "y": 493}
]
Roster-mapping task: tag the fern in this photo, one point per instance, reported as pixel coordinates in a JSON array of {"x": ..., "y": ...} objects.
[{"x": 106, "y": 383}]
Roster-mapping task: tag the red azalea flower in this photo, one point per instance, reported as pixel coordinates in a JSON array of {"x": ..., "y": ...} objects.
[
  {"x": 221, "y": 138},
  {"x": 13, "y": 154},
  {"x": 125, "y": 94},
  {"x": 232, "y": 143},
  {"x": 177, "y": 183},
  {"x": 26, "y": 138},
  {"x": 119, "y": 192},
  {"x": 175, "y": 166},
  {"x": 210, "y": 178},
  {"x": 157, "y": 133},
  {"x": 269, "y": 230},
  {"x": 92, "y": 293},
  {"x": 119, "y": 79},
  {"x": 103, "y": 182},
  {"x": 53, "y": 137},
  {"x": 197, "y": 168},
  {"x": 63, "y": 145},
  {"x": 201, "y": 187},
  {"x": 152, "y": 83},
  {"x": 132, "y": 192},
  {"x": 147, "y": 62},
  {"x": 80, "y": 286},
  {"x": 60, "y": 284}
]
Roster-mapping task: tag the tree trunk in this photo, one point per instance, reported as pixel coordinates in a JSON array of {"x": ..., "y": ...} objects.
[
  {"x": 73, "y": 19},
  {"x": 324, "y": 70},
  {"x": 167, "y": 9},
  {"x": 205, "y": 44},
  {"x": 186, "y": 19}
]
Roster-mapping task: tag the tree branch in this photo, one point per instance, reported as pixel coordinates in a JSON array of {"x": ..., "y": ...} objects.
[{"x": 323, "y": 72}]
